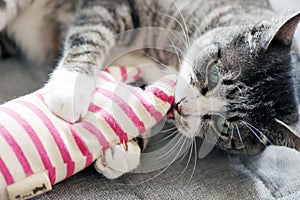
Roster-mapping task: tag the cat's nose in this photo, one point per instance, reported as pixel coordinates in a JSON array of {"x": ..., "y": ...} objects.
[{"x": 178, "y": 108}]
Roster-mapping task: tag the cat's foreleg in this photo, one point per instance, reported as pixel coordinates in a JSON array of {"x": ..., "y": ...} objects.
[{"x": 72, "y": 83}]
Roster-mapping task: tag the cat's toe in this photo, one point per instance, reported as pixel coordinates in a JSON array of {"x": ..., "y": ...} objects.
[
  {"x": 119, "y": 159},
  {"x": 107, "y": 171},
  {"x": 68, "y": 94}
]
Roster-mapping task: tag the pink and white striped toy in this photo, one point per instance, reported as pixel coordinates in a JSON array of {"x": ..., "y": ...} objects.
[{"x": 38, "y": 149}]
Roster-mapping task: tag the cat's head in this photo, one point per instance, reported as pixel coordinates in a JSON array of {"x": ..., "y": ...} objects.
[{"x": 238, "y": 83}]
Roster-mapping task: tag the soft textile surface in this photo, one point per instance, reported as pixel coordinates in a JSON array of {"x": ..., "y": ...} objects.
[{"x": 275, "y": 174}]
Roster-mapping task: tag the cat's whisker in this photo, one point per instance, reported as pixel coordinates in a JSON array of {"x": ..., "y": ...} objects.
[
  {"x": 242, "y": 96},
  {"x": 261, "y": 133},
  {"x": 186, "y": 153},
  {"x": 155, "y": 59},
  {"x": 176, "y": 49},
  {"x": 255, "y": 134},
  {"x": 195, "y": 162},
  {"x": 240, "y": 90},
  {"x": 238, "y": 74},
  {"x": 240, "y": 136},
  {"x": 182, "y": 28},
  {"x": 286, "y": 126},
  {"x": 241, "y": 139},
  {"x": 190, "y": 157},
  {"x": 170, "y": 129},
  {"x": 176, "y": 37},
  {"x": 190, "y": 151},
  {"x": 184, "y": 23},
  {"x": 167, "y": 167},
  {"x": 176, "y": 144},
  {"x": 231, "y": 135},
  {"x": 165, "y": 138}
]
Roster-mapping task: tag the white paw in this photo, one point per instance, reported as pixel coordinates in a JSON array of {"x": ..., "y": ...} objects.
[
  {"x": 117, "y": 161},
  {"x": 68, "y": 94}
]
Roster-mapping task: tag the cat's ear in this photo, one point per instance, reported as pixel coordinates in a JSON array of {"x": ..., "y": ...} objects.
[{"x": 283, "y": 32}]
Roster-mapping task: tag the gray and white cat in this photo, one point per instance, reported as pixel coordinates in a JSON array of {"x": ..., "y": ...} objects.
[{"x": 237, "y": 75}]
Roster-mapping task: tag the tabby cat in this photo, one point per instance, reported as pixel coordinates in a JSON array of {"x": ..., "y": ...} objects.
[{"x": 237, "y": 75}]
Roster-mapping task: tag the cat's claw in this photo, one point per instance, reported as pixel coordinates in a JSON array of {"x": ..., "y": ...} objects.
[
  {"x": 119, "y": 160},
  {"x": 68, "y": 94}
]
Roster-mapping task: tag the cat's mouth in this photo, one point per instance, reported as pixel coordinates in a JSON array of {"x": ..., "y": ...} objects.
[{"x": 171, "y": 113}]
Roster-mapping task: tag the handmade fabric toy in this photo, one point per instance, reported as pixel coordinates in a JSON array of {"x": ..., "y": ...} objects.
[{"x": 38, "y": 149}]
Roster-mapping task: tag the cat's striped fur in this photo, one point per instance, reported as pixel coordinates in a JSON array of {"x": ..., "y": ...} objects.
[
  {"x": 231, "y": 32},
  {"x": 71, "y": 20}
]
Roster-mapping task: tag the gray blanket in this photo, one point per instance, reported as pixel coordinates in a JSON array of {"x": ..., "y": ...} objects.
[{"x": 275, "y": 174}]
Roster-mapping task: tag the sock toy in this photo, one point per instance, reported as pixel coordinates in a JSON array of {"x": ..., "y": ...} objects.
[{"x": 38, "y": 149}]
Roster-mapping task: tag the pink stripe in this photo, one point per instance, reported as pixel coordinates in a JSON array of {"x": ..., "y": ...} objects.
[
  {"x": 123, "y": 73},
  {"x": 148, "y": 106},
  {"x": 96, "y": 132},
  {"x": 6, "y": 173},
  {"x": 161, "y": 95},
  {"x": 55, "y": 134},
  {"x": 168, "y": 81},
  {"x": 40, "y": 96},
  {"x": 81, "y": 145},
  {"x": 103, "y": 76},
  {"x": 111, "y": 122},
  {"x": 17, "y": 150},
  {"x": 33, "y": 135},
  {"x": 138, "y": 75},
  {"x": 125, "y": 107},
  {"x": 93, "y": 108}
]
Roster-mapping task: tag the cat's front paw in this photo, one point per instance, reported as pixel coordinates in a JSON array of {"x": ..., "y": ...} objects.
[
  {"x": 68, "y": 94},
  {"x": 118, "y": 160}
]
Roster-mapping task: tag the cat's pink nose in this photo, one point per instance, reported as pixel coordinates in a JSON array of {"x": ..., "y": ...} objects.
[{"x": 178, "y": 108}]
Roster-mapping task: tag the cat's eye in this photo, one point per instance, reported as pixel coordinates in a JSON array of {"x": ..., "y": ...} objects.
[
  {"x": 221, "y": 126},
  {"x": 212, "y": 76}
]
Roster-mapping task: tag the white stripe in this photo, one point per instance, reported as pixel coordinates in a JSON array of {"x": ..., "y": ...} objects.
[
  {"x": 115, "y": 72},
  {"x": 65, "y": 132},
  {"x": 3, "y": 194},
  {"x": 128, "y": 97},
  {"x": 103, "y": 127},
  {"x": 120, "y": 116},
  {"x": 44, "y": 135},
  {"x": 24, "y": 141},
  {"x": 79, "y": 165},
  {"x": 89, "y": 139},
  {"x": 11, "y": 161}
]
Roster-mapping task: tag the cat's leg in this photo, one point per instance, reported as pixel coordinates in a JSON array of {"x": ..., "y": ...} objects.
[
  {"x": 88, "y": 41},
  {"x": 119, "y": 159}
]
